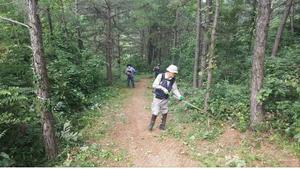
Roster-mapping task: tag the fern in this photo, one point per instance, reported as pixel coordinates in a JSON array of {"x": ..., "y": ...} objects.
[
  {"x": 67, "y": 134},
  {"x": 2, "y": 133}
]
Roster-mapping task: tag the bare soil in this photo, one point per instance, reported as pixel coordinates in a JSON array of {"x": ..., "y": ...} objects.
[{"x": 145, "y": 149}]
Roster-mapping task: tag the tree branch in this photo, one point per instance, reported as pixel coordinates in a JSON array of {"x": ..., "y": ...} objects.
[{"x": 13, "y": 21}]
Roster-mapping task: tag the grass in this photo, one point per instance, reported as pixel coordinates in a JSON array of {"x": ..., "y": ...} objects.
[
  {"x": 93, "y": 155},
  {"x": 204, "y": 141},
  {"x": 96, "y": 150},
  {"x": 286, "y": 144},
  {"x": 93, "y": 148}
]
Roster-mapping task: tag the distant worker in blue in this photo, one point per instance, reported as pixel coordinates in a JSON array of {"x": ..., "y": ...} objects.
[
  {"x": 130, "y": 72},
  {"x": 156, "y": 70}
]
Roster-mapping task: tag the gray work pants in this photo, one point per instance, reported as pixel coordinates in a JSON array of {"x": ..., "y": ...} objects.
[{"x": 159, "y": 105}]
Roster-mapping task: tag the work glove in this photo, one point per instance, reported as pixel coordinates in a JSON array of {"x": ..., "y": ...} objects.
[
  {"x": 181, "y": 98},
  {"x": 166, "y": 91}
]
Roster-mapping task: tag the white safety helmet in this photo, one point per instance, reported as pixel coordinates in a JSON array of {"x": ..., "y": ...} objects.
[{"x": 172, "y": 69}]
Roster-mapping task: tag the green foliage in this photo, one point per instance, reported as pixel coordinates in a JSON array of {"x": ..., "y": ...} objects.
[
  {"x": 15, "y": 66},
  {"x": 205, "y": 130},
  {"x": 20, "y": 122},
  {"x": 77, "y": 77},
  {"x": 235, "y": 162},
  {"x": 93, "y": 155},
  {"x": 281, "y": 92},
  {"x": 231, "y": 102},
  {"x": 5, "y": 160},
  {"x": 67, "y": 134}
]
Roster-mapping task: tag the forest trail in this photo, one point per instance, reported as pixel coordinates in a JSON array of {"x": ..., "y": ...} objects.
[
  {"x": 149, "y": 149},
  {"x": 146, "y": 149}
]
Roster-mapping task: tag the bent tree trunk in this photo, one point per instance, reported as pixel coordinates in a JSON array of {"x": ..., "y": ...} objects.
[
  {"x": 39, "y": 66},
  {"x": 256, "y": 111}
]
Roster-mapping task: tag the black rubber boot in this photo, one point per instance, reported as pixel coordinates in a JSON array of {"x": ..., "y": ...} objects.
[
  {"x": 153, "y": 118},
  {"x": 162, "y": 125}
]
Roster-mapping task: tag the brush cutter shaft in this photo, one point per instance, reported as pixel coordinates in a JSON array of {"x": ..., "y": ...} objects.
[{"x": 192, "y": 105}]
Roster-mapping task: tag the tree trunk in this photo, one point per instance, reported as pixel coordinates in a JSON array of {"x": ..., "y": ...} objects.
[
  {"x": 256, "y": 111},
  {"x": 281, "y": 27},
  {"x": 63, "y": 19},
  {"x": 252, "y": 26},
  {"x": 118, "y": 45},
  {"x": 209, "y": 12},
  {"x": 175, "y": 31},
  {"x": 150, "y": 47},
  {"x": 159, "y": 56},
  {"x": 292, "y": 16},
  {"x": 142, "y": 36},
  {"x": 40, "y": 70},
  {"x": 109, "y": 43},
  {"x": 211, "y": 55},
  {"x": 119, "y": 55},
  {"x": 205, "y": 41},
  {"x": 78, "y": 29},
  {"x": 203, "y": 59},
  {"x": 153, "y": 54},
  {"x": 198, "y": 45},
  {"x": 95, "y": 40},
  {"x": 50, "y": 21}
]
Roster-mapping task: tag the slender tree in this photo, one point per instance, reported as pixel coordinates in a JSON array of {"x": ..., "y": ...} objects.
[
  {"x": 78, "y": 28},
  {"x": 292, "y": 17},
  {"x": 40, "y": 70},
  {"x": 49, "y": 18},
  {"x": 199, "y": 33},
  {"x": 281, "y": 27},
  {"x": 205, "y": 41},
  {"x": 63, "y": 19},
  {"x": 109, "y": 42},
  {"x": 211, "y": 55},
  {"x": 256, "y": 111},
  {"x": 252, "y": 24}
]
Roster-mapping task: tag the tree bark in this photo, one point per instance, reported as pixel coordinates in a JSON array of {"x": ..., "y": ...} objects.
[
  {"x": 175, "y": 33},
  {"x": 151, "y": 46},
  {"x": 49, "y": 21},
  {"x": 211, "y": 55},
  {"x": 281, "y": 27},
  {"x": 209, "y": 12},
  {"x": 203, "y": 59},
  {"x": 205, "y": 41},
  {"x": 142, "y": 36},
  {"x": 175, "y": 29},
  {"x": 40, "y": 70},
  {"x": 119, "y": 54},
  {"x": 109, "y": 43},
  {"x": 252, "y": 26},
  {"x": 292, "y": 16},
  {"x": 63, "y": 19},
  {"x": 119, "y": 48},
  {"x": 78, "y": 29},
  {"x": 198, "y": 45},
  {"x": 256, "y": 111}
]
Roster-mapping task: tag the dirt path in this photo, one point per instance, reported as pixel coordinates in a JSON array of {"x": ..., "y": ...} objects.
[{"x": 144, "y": 148}]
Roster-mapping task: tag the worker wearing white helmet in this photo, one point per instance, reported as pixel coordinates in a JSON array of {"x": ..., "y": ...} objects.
[{"x": 163, "y": 85}]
